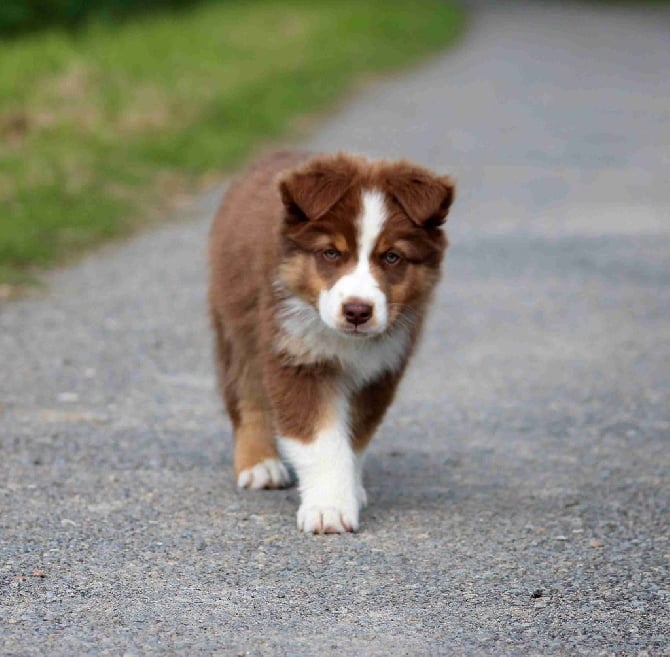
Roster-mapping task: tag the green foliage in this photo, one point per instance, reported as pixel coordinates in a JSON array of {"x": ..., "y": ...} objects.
[
  {"x": 101, "y": 129},
  {"x": 23, "y": 15}
]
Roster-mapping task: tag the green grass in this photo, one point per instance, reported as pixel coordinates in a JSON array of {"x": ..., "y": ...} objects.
[{"x": 101, "y": 129}]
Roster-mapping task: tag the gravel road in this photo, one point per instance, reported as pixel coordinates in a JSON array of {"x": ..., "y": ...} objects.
[{"x": 519, "y": 487}]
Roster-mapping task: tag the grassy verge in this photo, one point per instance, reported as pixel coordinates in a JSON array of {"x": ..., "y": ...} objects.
[{"x": 101, "y": 127}]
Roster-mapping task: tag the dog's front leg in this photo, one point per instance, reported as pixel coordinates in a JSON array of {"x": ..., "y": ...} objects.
[{"x": 326, "y": 469}]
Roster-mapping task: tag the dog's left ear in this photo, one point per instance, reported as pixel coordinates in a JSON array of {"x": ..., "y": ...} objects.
[
  {"x": 310, "y": 191},
  {"x": 424, "y": 196}
]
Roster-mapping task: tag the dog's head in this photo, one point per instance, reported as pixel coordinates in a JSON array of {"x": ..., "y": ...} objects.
[{"x": 362, "y": 241}]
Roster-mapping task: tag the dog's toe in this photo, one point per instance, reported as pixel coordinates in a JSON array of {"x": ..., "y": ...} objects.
[
  {"x": 326, "y": 520},
  {"x": 271, "y": 473}
]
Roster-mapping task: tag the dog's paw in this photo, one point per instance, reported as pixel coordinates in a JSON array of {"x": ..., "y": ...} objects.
[
  {"x": 327, "y": 519},
  {"x": 271, "y": 473}
]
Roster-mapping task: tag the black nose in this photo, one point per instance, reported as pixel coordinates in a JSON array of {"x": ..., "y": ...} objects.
[{"x": 356, "y": 312}]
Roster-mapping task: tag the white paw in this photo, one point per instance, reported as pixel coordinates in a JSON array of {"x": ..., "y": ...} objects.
[
  {"x": 327, "y": 519},
  {"x": 271, "y": 473}
]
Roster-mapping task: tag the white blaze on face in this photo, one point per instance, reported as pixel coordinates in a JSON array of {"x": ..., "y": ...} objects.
[{"x": 360, "y": 284}]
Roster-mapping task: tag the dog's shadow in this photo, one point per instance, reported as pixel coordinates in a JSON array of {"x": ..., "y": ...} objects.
[
  {"x": 419, "y": 482},
  {"x": 409, "y": 478}
]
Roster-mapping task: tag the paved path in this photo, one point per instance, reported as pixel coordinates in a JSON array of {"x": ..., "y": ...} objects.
[{"x": 519, "y": 486}]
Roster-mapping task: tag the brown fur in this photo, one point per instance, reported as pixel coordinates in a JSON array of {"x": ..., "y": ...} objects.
[{"x": 274, "y": 222}]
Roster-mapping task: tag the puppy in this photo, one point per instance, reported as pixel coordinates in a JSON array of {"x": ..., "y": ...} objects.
[{"x": 321, "y": 270}]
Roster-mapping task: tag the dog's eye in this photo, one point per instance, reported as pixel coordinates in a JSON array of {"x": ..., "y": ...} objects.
[
  {"x": 331, "y": 254},
  {"x": 391, "y": 258}
]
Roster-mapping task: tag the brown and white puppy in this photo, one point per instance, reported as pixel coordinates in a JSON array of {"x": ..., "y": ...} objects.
[{"x": 321, "y": 269}]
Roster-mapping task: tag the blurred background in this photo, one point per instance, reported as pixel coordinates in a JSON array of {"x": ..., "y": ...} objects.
[
  {"x": 114, "y": 111},
  {"x": 19, "y": 16}
]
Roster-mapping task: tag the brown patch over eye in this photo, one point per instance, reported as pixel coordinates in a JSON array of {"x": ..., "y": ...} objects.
[
  {"x": 320, "y": 242},
  {"x": 339, "y": 242}
]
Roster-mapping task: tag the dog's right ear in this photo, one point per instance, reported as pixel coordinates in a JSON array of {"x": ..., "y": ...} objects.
[{"x": 310, "y": 191}]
